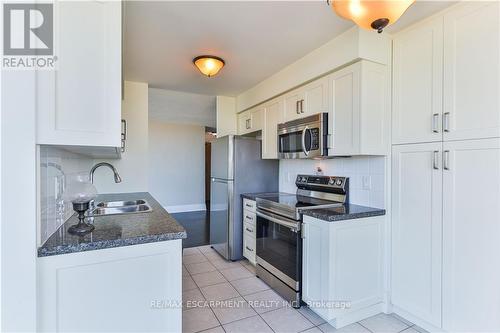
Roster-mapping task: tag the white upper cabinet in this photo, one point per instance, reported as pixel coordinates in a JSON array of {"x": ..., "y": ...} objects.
[
  {"x": 471, "y": 234},
  {"x": 307, "y": 100},
  {"x": 79, "y": 104},
  {"x": 472, "y": 71},
  {"x": 418, "y": 83},
  {"x": 272, "y": 115},
  {"x": 251, "y": 120},
  {"x": 358, "y": 115},
  {"x": 416, "y": 230}
]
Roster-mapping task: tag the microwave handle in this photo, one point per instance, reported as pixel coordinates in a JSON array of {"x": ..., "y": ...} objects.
[{"x": 304, "y": 132}]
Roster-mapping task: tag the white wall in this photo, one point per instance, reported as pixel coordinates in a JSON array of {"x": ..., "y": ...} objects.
[
  {"x": 18, "y": 194},
  {"x": 366, "y": 176},
  {"x": 177, "y": 165},
  {"x": 133, "y": 164},
  {"x": 181, "y": 107}
]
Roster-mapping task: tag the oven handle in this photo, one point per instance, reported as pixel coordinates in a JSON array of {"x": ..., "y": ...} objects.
[
  {"x": 293, "y": 226},
  {"x": 304, "y": 131}
]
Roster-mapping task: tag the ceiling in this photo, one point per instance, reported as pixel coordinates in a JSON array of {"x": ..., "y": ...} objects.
[{"x": 256, "y": 39}]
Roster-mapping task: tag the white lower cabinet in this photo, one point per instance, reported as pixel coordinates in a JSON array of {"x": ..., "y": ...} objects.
[
  {"x": 249, "y": 230},
  {"x": 342, "y": 272},
  {"x": 446, "y": 234},
  {"x": 471, "y": 236},
  {"x": 134, "y": 288},
  {"x": 416, "y": 230}
]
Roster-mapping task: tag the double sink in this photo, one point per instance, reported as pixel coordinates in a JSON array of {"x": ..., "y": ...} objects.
[{"x": 120, "y": 207}]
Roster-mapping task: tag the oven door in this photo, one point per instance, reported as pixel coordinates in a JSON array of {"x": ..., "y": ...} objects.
[{"x": 279, "y": 247}]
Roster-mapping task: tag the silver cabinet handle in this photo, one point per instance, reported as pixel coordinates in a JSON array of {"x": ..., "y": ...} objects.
[
  {"x": 446, "y": 160},
  {"x": 249, "y": 217},
  {"x": 435, "y": 119},
  {"x": 249, "y": 249},
  {"x": 248, "y": 205},
  {"x": 297, "y": 110},
  {"x": 248, "y": 125},
  {"x": 301, "y": 106},
  {"x": 446, "y": 122},
  {"x": 435, "y": 158},
  {"x": 249, "y": 230}
]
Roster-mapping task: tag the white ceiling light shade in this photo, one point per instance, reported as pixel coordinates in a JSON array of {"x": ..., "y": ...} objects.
[
  {"x": 209, "y": 65},
  {"x": 371, "y": 14}
]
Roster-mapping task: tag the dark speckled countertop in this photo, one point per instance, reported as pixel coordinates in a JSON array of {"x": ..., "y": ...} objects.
[
  {"x": 117, "y": 230},
  {"x": 344, "y": 212}
]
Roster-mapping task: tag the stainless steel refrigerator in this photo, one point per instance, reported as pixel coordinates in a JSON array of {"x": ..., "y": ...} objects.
[{"x": 236, "y": 168}]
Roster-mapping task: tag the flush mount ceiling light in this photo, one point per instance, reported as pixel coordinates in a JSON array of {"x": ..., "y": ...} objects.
[
  {"x": 209, "y": 65},
  {"x": 370, "y": 14}
]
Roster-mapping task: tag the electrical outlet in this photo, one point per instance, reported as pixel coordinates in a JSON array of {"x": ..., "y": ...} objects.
[{"x": 367, "y": 182}]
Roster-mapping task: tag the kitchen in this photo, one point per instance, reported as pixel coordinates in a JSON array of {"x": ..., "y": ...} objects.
[{"x": 342, "y": 176}]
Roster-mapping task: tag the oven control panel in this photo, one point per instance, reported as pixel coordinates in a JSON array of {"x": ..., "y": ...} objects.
[{"x": 305, "y": 181}]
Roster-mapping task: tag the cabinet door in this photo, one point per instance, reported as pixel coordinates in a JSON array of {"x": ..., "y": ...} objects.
[
  {"x": 270, "y": 130},
  {"x": 257, "y": 119},
  {"x": 79, "y": 103},
  {"x": 417, "y": 84},
  {"x": 292, "y": 105},
  {"x": 315, "y": 253},
  {"x": 416, "y": 230},
  {"x": 244, "y": 122},
  {"x": 472, "y": 71},
  {"x": 471, "y": 229},
  {"x": 344, "y": 115},
  {"x": 315, "y": 97}
]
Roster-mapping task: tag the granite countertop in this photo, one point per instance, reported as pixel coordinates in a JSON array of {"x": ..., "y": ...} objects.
[
  {"x": 253, "y": 196},
  {"x": 117, "y": 230},
  {"x": 344, "y": 212}
]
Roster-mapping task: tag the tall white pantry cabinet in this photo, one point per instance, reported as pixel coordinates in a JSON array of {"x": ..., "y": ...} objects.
[{"x": 446, "y": 170}]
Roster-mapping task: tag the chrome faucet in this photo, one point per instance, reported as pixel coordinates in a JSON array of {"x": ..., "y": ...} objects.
[{"x": 118, "y": 179}]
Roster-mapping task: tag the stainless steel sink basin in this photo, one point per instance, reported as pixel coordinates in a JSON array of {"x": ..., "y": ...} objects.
[
  {"x": 120, "y": 207},
  {"x": 105, "y": 204}
]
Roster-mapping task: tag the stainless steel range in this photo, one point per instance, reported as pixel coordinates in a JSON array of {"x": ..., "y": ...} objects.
[{"x": 279, "y": 239}]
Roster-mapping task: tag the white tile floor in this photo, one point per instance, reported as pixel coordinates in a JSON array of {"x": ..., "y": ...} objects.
[{"x": 221, "y": 296}]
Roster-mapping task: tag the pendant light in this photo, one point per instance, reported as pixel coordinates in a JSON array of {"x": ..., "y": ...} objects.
[
  {"x": 371, "y": 14},
  {"x": 209, "y": 65}
]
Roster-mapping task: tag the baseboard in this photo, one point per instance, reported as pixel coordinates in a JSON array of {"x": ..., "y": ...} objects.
[
  {"x": 355, "y": 316},
  {"x": 185, "y": 208},
  {"x": 415, "y": 320}
]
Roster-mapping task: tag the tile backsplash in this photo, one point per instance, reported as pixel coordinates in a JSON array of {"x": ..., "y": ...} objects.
[
  {"x": 366, "y": 176},
  {"x": 54, "y": 164}
]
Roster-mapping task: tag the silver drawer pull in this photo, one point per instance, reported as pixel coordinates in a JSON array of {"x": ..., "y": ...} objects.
[
  {"x": 249, "y": 217},
  {"x": 435, "y": 119},
  {"x": 446, "y": 121},
  {"x": 249, "y": 230},
  {"x": 248, "y": 205},
  {"x": 249, "y": 249},
  {"x": 435, "y": 160}
]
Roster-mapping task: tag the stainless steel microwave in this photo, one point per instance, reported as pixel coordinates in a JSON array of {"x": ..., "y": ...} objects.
[{"x": 304, "y": 138}]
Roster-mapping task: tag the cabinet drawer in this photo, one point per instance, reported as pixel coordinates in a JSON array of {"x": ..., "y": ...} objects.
[
  {"x": 249, "y": 229},
  {"x": 249, "y": 205},
  {"x": 249, "y": 217},
  {"x": 249, "y": 248}
]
